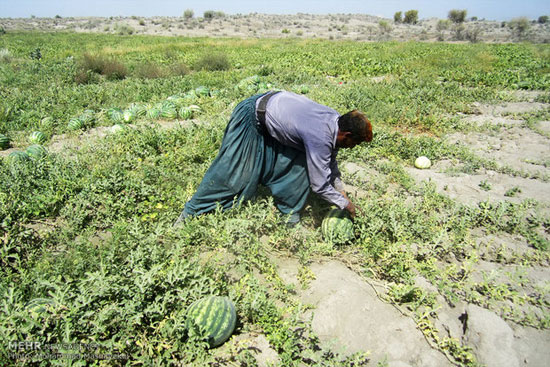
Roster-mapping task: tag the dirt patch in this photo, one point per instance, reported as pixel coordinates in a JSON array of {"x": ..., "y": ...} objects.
[
  {"x": 489, "y": 186},
  {"x": 350, "y": 317},
  {"x": 508, "y": 108},
  {"x": 519, "y": 148}
]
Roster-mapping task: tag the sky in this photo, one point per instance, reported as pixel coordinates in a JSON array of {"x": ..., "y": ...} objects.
[{"x": 487, "y": 9}]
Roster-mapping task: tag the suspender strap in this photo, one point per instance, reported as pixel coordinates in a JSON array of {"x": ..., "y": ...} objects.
[{"x": 260, "y": 111}]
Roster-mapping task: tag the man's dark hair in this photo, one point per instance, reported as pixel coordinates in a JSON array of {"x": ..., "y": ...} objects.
[{"x": 356, "y": 123}]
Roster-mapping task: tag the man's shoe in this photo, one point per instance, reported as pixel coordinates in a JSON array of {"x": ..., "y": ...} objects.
[
  {"x": 292, "y": 220},
  {"x": 181, "y": 219}
]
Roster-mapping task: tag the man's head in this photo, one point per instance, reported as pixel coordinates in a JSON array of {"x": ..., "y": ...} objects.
[{"x": 353, "y": 129}]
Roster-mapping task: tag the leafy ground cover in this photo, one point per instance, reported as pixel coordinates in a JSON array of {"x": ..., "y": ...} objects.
[{"x": 88, "y": 251}]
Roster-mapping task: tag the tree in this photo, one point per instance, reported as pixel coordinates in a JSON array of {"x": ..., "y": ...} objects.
[
  {"x": 209, "y": 14},
  {"x": 457, "y": 16},
  {"x": 384, "y": 26},
  {"x": 411, "y": 17},
  {"x": 188, "y": 14},
  {"x": 543, "y": 19},
  {"x": 398, "y": 17},
  {"x": 519, "y": 26}
]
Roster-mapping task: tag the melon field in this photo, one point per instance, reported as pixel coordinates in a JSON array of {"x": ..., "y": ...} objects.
[{"x": 449, "y": 266}]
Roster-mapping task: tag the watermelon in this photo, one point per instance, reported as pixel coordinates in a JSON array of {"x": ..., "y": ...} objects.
[
  {"x": 185, "y": 113},
  {"x": 422, "y": 162},
  {"x": 36, "y": 151},
  {"x": 75, "y": 124},
  {"x": 195, "y": 108},
  {"x": 19, "y": 156},
  {"x": 37, "y": 137},
  {"x": 129, "y": 115},
  {"x": 337, "y": 227},
  {"x": 213, "y": 318},
  {"x": 177, "y": 100},
  {"x": 153, "y": 113},
  {"x": 4, "y": 142},
  {"x": 190, "y": 97},
  {"x": 139, "y": 109},
  {"x": 202, "y": 91},
  {"x": 115, "y": 114},
  {"x": 168, "y": 111}
]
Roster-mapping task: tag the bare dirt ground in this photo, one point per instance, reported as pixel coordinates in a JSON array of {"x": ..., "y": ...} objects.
[{"x": 358, "y": 27}]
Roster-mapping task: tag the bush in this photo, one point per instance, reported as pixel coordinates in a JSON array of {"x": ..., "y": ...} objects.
[
  {"x": 213, "y": 62},
  {"x": 443, "y": 25},
  {"x": 472, "y": 34},
  {"x": 149, "y": 71},
  {"x": 458, "y": 31},
  {"x": 519, "y": 26},
  {"x": 124, "y": 29},
  {"x": 398, "y": 17},
  {"x": 457, "y": 16},
  {"x": 99, "y": 64},
  {"x": 384, "y": 26},
  {"x": 411, "y": 17},
  {"x": 543, "y": 19},
  {"x": 188, "y": 14},
  {"x": 209, "y": 14},
  {"x": 179, "y": 69},
  {"x": 2, "y": 30}
]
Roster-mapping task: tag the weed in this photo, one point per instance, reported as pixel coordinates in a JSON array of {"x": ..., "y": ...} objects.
[{"x": 213, "y": 62}]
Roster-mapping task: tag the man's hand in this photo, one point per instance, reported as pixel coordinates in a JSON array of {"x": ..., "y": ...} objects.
[{"x": 351, "y": 208}]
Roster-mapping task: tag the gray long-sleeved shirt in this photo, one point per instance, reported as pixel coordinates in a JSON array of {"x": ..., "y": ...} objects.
[{"x": 310, "y": 127}]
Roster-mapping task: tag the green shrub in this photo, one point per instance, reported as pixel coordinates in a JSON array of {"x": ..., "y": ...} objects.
[
  {"x": 213, "y": 62},
  {"x": 179, "y": 69},
  {"x": 149, "y": 71},
  {"x": 124, "y": 29},
  {"x": 398, "y": 17},
  {"x": 209, "y": 14},
  {"x": 543, "y": 19},
  {"x": 99, "y": 64},
  {"x": 519, "y": 26},
  {"x": 411, "y": 17},
  {"x": 443, "y": 25},
  {"x": 457, "y": 16},
  {"x": 188, "y": 14}
]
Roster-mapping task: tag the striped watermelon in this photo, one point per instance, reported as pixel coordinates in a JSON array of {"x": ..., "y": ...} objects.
[
  {"x": 139, "y": 109},
  {"x": 37, "y": 137},
  {"x": 75, "y": 124},
  {"x": 202, "y": 91},
  {"x": 168, "y": 111},
  {"x": 4, "y": 142},
  {"x": 153, "y": 113},
  {"x": 185, "y": 113},
  {"x": 36, "y": 151},
  {"x": 337, "y": 227},
  {"x": 115, "y": 114},
  {"x": 87, "y": 117},
  {"x": 19, "y": 156},
  {"x": 129, "y": 115},
  {"x": 212, "y": 317}
]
